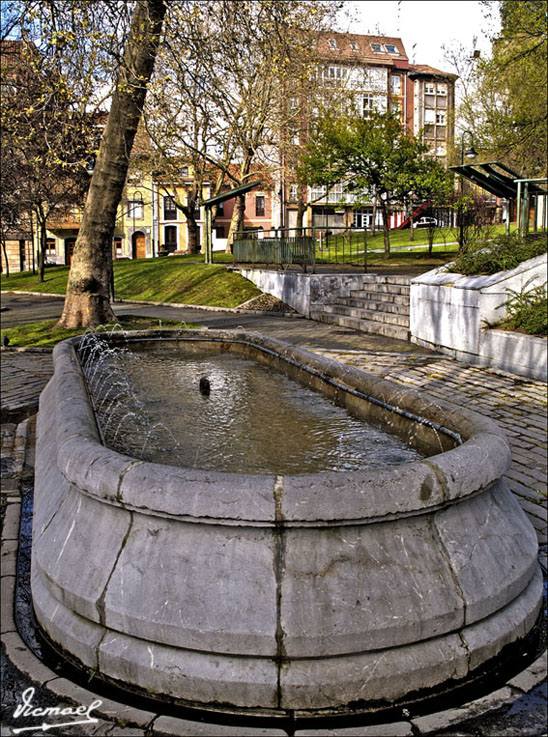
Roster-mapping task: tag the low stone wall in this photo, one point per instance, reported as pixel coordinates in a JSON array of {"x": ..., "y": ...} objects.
[
  {"x": 451, "y": 312},
  {"x": 302, "y": 291},
  {"x": 280, "y": 594}
]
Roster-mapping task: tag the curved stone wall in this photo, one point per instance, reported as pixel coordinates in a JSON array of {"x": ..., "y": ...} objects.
[{"x": 258, "y": 592}]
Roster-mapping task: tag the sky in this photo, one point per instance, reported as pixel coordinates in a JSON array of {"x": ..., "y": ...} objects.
[{"x": 425, "y": 26}]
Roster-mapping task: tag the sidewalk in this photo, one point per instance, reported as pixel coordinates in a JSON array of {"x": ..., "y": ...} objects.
[{"x": 518, "y": 405}]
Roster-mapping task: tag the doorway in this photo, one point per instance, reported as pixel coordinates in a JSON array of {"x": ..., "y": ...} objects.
[
  {"x": 138, "y": 245},
  {"x": 69, "y": 250}
]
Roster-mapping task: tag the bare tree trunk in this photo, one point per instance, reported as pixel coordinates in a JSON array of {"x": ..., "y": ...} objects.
[
  {"x": 237, "y": 221},
  {"x": 193, "y": 245},
  {"x": 386, "y": 228},
  {"x": 42, "y": 248},
  {"x": 5, "y": 252},
  {"x": 87, "y": 301},
  {"x": 374, "y": 218}
]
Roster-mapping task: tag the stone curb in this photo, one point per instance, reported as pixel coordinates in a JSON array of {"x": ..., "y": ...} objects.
[
  {"x": 30, "y": 666},
  {"x": 207, "y": 308}
]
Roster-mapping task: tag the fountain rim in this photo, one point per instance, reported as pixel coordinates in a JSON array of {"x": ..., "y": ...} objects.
[{"x": 252, "y": 499}]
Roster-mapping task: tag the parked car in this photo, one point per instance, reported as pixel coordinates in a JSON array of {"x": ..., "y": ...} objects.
[{"x": 425, "y": 222}]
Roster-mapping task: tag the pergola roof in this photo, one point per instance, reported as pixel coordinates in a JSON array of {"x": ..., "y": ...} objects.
[
  {"x": 231, "y": 193},
  {"x": 496, "y": 178}
]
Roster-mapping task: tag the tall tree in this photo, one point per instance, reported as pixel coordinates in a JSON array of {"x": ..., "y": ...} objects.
[
  {"x": 87, "y": 301},
  {"x": 373, "y": 158},
  {"x": 46, "y": 141},
  {"x": 223, "y": 78},
  {"x": 504, "y": 100}
]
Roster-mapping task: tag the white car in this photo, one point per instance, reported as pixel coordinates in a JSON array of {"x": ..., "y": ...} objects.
[{"x": 425, "y": 223}]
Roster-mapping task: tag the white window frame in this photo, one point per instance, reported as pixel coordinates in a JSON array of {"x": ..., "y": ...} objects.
[
  {"x": 135, "y": 209},
  {"x": 442, "y": 89},
  {"x": 429, "y": 88},
  {"x": 441, "y": 117}
]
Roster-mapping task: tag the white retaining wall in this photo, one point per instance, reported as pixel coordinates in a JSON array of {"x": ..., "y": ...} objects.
[
  {"x": 450, "y": 312},
  {"x": 301, "y": 291}
]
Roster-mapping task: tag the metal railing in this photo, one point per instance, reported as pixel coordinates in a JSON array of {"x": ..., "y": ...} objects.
[
  {"x": 280, "y": 250},
  {"x": 302, "y": 246}
]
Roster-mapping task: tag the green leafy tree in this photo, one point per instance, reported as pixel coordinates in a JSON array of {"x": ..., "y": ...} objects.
[
  {"x": 505, "y": 95},
  {"x": 87, "y": 301},
  {"x": 374, "y": 158}
]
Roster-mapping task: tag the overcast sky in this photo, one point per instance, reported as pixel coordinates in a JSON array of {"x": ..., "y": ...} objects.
[{"x": 429, "y": 24}]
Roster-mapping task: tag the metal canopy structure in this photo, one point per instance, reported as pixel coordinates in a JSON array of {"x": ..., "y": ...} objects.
[
  {"x": 211, "y": 202},
  {"x": 502, "y": 181}
]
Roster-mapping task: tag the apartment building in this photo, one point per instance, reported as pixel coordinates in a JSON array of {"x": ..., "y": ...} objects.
[{"x": 376, "y": 72}]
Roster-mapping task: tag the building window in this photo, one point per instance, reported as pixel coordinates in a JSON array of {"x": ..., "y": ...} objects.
[
  {"x": 117, "y": 241},
  {"x": 376, "y": 47},
  {"x": 332, "y": 76},
  {"x": 221, "y": 208},
  {"x": 395, "y": 107},
  {"x": 429, "y": 89},
  {"x": 259, "y": 206},
  {"x": 332, "y": 43},
  {"x": 429, "y": 116},
  {"x": 220, "y": 231},
  {"x": 441, "y": 118},
  {"x": 372, "y": 102},
  {"x": 170, "y": 209},
  {"x": 184, "y": 171},
  {"x": 293, "y": 193},
  {"x": 135, "y": 209},
  {"x": 196, "y": 213},
  {"x": 50, "y": 247},
  {"x": 442, "y": 89},
  {"x": 395, "y": 84},
  {"x": 354, "y": 46},
  {"x": 391, "y": 49},
  {"x": 170, "y": 237}
]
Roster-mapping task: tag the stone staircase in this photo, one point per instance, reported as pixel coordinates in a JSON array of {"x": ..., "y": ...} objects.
[{"x": 381, "y": 306}]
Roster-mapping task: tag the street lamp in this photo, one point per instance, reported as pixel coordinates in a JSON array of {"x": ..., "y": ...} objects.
[{"x": 470, "y": 153}]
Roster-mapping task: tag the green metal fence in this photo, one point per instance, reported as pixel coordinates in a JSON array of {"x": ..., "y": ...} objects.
[
  {"x": 304, "y": 247},
  {"x": 280, "y": 251}
]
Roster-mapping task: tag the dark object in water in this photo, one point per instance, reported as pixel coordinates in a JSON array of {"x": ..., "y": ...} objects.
[
  {"x": 6, "y": 342},
  {"x": 205, "y": 386}
]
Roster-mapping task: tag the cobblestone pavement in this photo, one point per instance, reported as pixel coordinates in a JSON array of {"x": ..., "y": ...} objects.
[{"x": 518, "y": 405}]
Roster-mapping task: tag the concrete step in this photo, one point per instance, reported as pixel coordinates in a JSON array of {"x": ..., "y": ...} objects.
[
  {"x": 364, "y": 326},
  {"x": 387, "y": 279},
  {"x": 370, "y": 315},
  {"x": 384, "y": 288},
  {"x": 385, "y": 297},
  {"x": 396, "y": 308}
]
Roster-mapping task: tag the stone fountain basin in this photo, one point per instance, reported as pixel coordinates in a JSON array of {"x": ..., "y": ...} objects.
[{"x": 274, "y": 593}]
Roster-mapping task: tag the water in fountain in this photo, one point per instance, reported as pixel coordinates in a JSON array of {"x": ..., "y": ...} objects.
[{"x": 223, "y": 412}]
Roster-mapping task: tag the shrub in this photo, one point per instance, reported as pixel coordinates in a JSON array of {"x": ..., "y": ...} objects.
[
  {"x": 528, "y": 311},
  {"x": 503, "y": 252}
]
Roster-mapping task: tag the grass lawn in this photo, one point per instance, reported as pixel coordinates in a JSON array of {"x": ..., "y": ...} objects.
[
  {"x": 172, "y": 279},
  {"x": 46, "y": 335}
]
